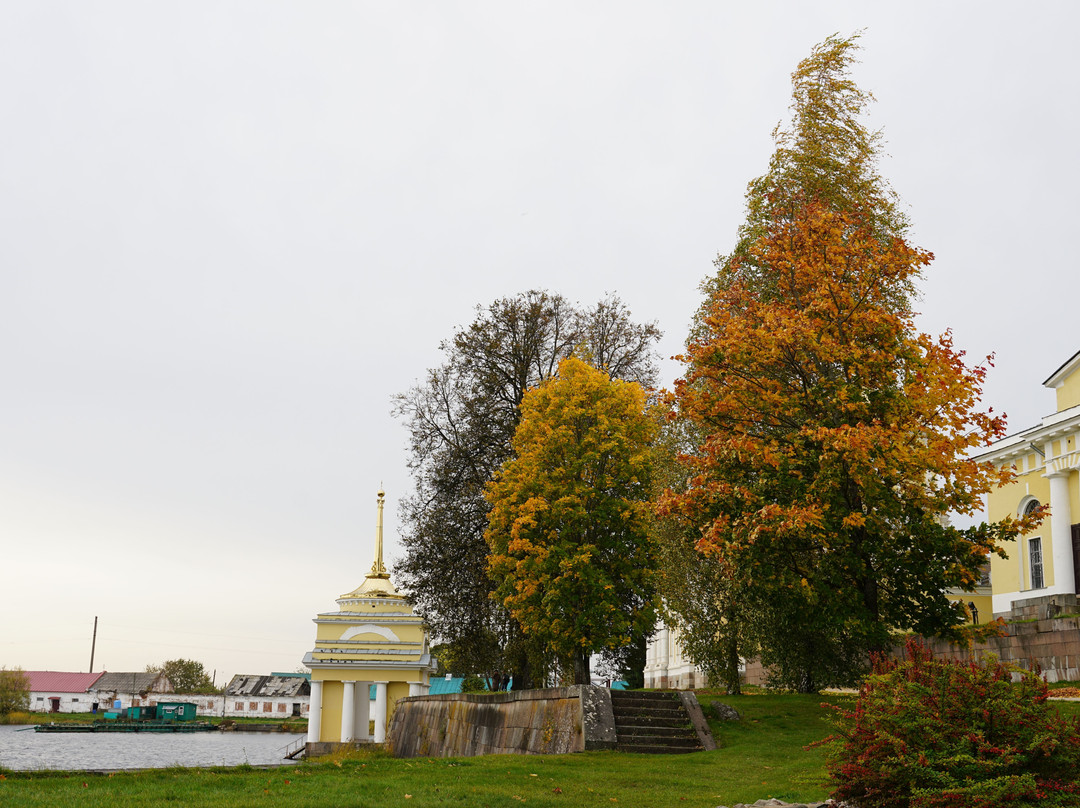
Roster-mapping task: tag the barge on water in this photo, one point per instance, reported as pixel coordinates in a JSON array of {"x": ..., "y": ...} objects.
[{"x": 165, "y": 716}]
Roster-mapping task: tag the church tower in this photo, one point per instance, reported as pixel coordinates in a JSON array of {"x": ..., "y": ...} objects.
[{"x": 373, "y": 640}]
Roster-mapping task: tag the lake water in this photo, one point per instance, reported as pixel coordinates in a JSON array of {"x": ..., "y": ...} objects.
[{"x": 22, "y": 748}]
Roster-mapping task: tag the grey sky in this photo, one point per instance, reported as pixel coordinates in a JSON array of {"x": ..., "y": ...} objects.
[{"x": 231, "y": 231}]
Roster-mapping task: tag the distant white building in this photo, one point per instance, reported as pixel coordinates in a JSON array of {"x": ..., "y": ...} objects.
[
  {"x": 278, "y": 696},
  {"x": 61, "y": 692},
  {"x": 134, "y": 689},
  {"x": 665, "y": 665}
]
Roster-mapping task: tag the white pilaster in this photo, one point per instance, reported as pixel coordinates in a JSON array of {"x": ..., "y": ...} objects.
[
  {"x": 414, "y": 689},
  {"x": 348, "y": 711},
  {"x": 380, "y": 712},
  {"x": 363, "y": 711},
  {"x": 1061, "y": 533},
  {"x": 314, "y": 723}
]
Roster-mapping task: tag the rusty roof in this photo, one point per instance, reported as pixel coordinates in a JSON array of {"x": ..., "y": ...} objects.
[{"x": 61, "y": 681}]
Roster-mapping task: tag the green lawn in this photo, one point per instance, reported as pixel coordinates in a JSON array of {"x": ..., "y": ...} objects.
[{"x": 761, "y": 756}]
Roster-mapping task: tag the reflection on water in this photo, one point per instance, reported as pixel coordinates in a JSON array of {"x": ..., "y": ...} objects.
[{"x": 22, "y": 748}]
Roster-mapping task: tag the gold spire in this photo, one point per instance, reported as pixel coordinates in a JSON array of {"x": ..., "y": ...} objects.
[
  {"x": 377, "y": 582},
  {"x": 378, "y": 569}
]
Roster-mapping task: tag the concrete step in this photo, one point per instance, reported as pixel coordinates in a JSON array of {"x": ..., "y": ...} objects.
[
  {"x": 652, "y": 712},
  {"x": 652, "y": 723}
]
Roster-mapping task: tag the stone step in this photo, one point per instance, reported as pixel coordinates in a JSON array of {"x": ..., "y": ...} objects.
[
  {"x": 651, "y": 721},
  {"x": 636, "y": 696},
  {"x": 650, "y": 713}
]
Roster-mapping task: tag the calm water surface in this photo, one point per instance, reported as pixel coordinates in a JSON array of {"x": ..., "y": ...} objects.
[{"x": 27, "y": 749}]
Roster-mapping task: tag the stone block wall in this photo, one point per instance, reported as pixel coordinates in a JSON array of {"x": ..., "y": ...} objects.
[
  {"x": 1042, "y": 608},
  {"x": 1052, "y": 645},
  {"x": 551, "y": 721}
]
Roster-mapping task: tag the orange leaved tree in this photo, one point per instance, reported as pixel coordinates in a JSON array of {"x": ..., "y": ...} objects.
[
  {"x": 570, "y": 556},
  {"x": 831, "y": 433},
  {"x": 835, "y": 440}
]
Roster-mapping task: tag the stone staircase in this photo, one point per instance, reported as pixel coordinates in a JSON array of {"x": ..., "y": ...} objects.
[{"x": 657, "y": 722}]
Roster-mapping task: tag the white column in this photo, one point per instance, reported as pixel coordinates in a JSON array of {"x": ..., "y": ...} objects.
[
  {"x": 1061, "y": 533},
  {"x": 348, "y": 710},
  {"x": 314, "y": 720},
  {"x": 363, "y": 711},
  {"x": 380, "y": 712},
  {"x": 414, "y": 688}
]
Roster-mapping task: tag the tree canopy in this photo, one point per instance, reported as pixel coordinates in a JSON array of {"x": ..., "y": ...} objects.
[
  {"x": 826, "y": 154},
  {"x": 832, "y": 434},
  {"x": 570, "y": 552},
  {"x": 461, "y": 420},
  {"x": 14, "y": 690},
  {"x": 836, "y": 435},
  {"x": 186, "y": 675}
]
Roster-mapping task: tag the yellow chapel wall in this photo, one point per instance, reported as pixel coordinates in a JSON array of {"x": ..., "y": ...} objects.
[
  {"x": 1068, "y": 395},
  {"x": 331, "y": 710},
  {"x": 1012, "y": 574},
  {"x": 984, "y": 603}
]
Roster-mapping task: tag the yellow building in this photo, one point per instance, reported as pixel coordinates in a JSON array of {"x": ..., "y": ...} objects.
[
  {"x": 1046, "y": 458},
  {"x": 374, "y": 638}
]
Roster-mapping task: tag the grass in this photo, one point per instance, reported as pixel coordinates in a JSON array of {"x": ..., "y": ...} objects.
[
  {"x": 760, "y": 756},
  {"x": 24, "y": 717}
]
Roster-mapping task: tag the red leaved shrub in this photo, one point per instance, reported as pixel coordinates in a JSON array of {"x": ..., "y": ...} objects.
[{"x": 929, "y": 733}]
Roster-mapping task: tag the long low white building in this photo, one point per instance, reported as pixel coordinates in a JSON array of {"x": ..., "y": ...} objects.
[{"x": 61, "y": 692}]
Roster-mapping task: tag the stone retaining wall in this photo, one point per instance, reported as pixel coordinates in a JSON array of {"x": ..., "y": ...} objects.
[
  {"x": 552, "y": 721},
  {"x": 1044, "y": 639}
]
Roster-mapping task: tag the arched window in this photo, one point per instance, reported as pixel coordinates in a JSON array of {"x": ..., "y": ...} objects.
[{"x": 1034, "y": 546}]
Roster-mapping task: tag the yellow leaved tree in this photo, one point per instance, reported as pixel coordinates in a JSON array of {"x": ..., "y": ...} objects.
[{"x": 571, "y": 558}]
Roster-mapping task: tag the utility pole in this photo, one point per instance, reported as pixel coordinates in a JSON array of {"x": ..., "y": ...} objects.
[{"x": 93, "y": 645}]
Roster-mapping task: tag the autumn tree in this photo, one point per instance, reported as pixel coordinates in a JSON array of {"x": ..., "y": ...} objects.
[
  {"x": 836, "y": 435},
  {"x": 14, "y": 690},
  {"x": 703, "y": 598},
  {"x": 832, "y": 433},
  {"x": 186, "y": 675},
  {"x": 461, "y": 420},
  {"x": 570, "y": 552},
  {"x": 826, "y": 154}
]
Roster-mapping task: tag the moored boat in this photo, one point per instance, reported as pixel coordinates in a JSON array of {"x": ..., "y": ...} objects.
[
  {"x": 166, "y": 716},
  {"x": 130, "y": 726}
]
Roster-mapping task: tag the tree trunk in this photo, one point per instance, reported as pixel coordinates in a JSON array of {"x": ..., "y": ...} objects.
[
  {"x": 734, "y": 686},
  {"x": 521, "y": 673},
  {"x": 581, "y": 668}
]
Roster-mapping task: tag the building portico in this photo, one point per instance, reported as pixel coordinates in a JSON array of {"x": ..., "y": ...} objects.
[{"x": 373, "y": 639}]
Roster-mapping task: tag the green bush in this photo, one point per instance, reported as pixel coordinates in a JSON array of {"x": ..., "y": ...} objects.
[
  {"x": 473, "y": 684},
  {"x": 14, "y": 691},
  {"x": 929, "y": 733}
]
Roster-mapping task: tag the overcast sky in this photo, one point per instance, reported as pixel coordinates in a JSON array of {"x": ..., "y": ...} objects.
[{"x": 230, "y": 232}]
